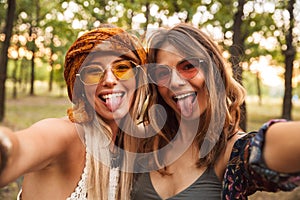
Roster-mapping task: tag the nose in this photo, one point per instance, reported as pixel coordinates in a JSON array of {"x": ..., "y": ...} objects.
[
  {"x": 109, "y": 79},
  {"x": 176, "y": 80}
]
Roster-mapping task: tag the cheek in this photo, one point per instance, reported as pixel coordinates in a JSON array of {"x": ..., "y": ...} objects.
[
  {"x": 201, "y": 78},
  {"x": 203, "y": 94},
  {"x": 166, "y": 94},
  {"x": 198, "y": 83},
  {"x": 163, "y": 91},
  {"x": 90, "y": 92},
  {"x": 131, "y": 87}
]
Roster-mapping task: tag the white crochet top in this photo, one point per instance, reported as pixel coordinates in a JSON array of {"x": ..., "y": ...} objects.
[{"x": 80, "y": 192}]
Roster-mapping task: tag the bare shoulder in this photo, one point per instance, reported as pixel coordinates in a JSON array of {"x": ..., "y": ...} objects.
[
  {"x": 52, "y": 136},
  {"x": 225, "y": 155},
  {"x": 60, "y": 127},
  {"x": 54, "y": 123}
]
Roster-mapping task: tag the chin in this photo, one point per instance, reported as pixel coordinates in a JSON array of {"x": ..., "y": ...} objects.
[{"x": 119, "y": 114}]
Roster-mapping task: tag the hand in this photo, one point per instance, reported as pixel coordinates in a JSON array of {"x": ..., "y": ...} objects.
[{"x": 5, "y": 149}]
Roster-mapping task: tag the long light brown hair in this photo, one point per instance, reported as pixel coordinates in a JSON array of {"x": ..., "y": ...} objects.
[{"x": 225, "y": 94}]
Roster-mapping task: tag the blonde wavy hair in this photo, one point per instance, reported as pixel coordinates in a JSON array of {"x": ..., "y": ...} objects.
[{"x": 83, "y": 113}]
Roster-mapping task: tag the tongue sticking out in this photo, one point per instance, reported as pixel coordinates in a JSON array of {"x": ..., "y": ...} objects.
[
  {"x": 185, "y": 105},
  {"x": 113, "y": 103}
]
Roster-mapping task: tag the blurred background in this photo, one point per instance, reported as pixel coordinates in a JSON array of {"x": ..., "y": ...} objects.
[{"x": 259, "y": 39}]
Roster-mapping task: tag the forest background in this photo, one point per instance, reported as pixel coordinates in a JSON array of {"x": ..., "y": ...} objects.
[{"x": 259, "y": 38}]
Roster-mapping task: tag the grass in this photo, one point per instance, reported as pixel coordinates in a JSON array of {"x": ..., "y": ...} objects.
[
  {"x": 269, "y": 109},
  {"x": 25, "y": 110},
  {"x": 22, "y": 112}
]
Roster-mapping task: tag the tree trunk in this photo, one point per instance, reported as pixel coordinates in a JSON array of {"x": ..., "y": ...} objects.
[
  {"x": 3, "y": 57},
  {"x": 236, "y": 52},
  {"x": 15, "y": 80},
  {"x": 51, "y": 74},
  {"x": 22, "y": 75},
  {"x": 129, "y": 19},
  {"x": 32, "y": 77},
  {"x": 147, "y": 15},
  {"x": 289, "y": 54},
  {"x": 258, "y": 89},
  {"x": 34, "y": 36}
]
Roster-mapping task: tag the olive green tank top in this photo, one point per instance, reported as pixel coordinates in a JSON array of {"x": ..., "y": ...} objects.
[{"x": 206, "y": 187}]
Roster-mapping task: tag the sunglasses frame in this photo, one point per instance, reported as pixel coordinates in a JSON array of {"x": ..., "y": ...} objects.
[
  {"x": 175, "y": 68},
  {"x": 101, "y": 77}
]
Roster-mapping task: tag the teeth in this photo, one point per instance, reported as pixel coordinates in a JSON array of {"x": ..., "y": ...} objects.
[
  {"x": 108, "y": 96},
  {"x": 182, "y": 96}
]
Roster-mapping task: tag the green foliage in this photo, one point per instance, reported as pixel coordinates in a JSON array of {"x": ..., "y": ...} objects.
[
  {"x": 46, "y": 18},
  {"x": 41, "y": 71},
  {"x": 3, "y": 8}
]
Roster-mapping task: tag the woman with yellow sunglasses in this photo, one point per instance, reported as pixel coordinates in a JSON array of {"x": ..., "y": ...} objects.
[{"x": 78, "y": 157}]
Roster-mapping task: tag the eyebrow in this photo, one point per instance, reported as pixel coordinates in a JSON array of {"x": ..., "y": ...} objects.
[
  {"x": 119, "y": 58},
  {"x": 184, "y": 60},
  {"x": 93, "y": 63},
  {"x": 126, "y": 57}
]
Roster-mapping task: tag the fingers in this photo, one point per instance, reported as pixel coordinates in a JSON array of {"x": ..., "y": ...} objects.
[{"x": 5, "y": 148}]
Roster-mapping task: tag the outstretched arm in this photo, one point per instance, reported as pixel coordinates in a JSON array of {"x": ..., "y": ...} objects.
[
  {"x": 282, "y": 147},
  {"x": 34, "y": 148}
]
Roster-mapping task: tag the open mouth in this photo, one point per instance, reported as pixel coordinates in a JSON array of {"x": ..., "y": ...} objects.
[
  {"x": 185, "y": 103},
  {"x": 180, "y": 97},
  {"x": 112, "y": 100},
  {"x": 105, "y": 97}
]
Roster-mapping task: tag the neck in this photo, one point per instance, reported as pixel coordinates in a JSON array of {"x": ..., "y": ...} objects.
[
  {"x": 113, "y": 125},
  {"x": 187, "y": 160},
  {"x": 188, "y": 128}
]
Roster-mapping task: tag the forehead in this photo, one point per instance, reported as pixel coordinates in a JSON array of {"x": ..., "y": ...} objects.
[
  {"x": 168, "y": 54},
  {"x": 110, "y": 56},
  {"x": 111, "y": 45},
  {"x": 172, "y": 53}
]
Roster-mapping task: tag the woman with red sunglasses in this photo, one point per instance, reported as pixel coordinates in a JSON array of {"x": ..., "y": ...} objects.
[{"x": 208, "y": 156}]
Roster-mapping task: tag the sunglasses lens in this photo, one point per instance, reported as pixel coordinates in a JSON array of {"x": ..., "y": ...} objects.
[
  {"x": 159, "y": 74},
  {"x": 124, "y": 70},
  {"x": 91, "y": 74},
  {"x": 189, "y": 68}
]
